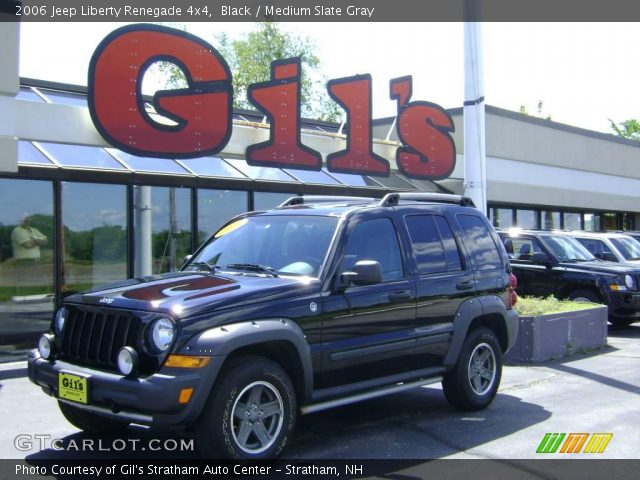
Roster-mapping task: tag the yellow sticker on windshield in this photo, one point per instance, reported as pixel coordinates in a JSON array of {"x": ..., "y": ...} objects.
[{"x": 230, "y": 228}]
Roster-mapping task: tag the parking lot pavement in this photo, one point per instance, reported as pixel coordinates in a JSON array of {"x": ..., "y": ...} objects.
[{"x": 591, "y": 393}]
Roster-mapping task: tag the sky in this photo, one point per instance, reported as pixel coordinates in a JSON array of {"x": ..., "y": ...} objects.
[{"x": 583, "y": 73}]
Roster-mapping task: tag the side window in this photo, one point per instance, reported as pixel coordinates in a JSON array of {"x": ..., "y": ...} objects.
[
  {"x": 451, "y": 250},
  {"x": 375, "y": 240},
  {"x": 596, "y": 247},
  {"x": 480, "y": 242},
  {"x": 433, "y": 244}
]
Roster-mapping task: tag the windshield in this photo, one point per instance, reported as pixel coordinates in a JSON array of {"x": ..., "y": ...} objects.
[
  {"x": 628, "y": 247},
  {"x": 269, "y": 244},
  {"x": 567, "y": 249}
]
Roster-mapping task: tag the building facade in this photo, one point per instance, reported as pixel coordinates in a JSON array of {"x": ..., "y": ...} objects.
[{"x": 101, "y": 215}]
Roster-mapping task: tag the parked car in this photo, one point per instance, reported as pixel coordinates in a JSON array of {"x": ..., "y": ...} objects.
[
  {"x": 613, "y": 247},
  {"x": 554, "y": 263},
  {"x": 317, "y": 304}
]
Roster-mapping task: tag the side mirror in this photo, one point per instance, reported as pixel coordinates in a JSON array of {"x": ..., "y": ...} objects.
[
  {"x": 541, "y": 258},
  {"x": 609, "y": 256},
  {"x": 365, "y": 272}
]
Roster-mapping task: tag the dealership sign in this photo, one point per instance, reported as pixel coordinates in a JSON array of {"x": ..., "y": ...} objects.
[{"x": 203, "y": 112}]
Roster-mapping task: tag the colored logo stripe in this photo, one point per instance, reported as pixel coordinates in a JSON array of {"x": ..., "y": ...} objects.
[
  {"x": 550, "y": 443},
  {"x": 574, "y": 443},
  {"x": 598, "y": 442}
]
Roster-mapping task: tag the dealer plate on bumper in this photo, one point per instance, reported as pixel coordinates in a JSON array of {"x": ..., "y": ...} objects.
[{"x": 73, "y": 387}]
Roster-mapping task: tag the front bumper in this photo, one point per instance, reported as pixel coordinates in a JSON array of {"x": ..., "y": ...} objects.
[
  {"x": 624, "y": 304},
  {"x": 151, "y": 400}
]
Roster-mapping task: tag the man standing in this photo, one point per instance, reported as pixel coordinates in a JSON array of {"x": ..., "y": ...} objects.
[{"x": 26, "y": 241}]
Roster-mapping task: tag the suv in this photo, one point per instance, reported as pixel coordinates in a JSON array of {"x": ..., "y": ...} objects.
[
  {"x": 315, "y": 304},
  {"x": 613, "y": 247},
  {"x": 550, "y": 263}
]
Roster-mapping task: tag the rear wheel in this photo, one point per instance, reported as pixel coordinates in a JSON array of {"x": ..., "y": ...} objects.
[
  {"x": 586, "y": 296},
  {"x": 621, "y": 322},
  {"x": 473, "y": 383},
  {"x": 90, "y": 422},
  {"x": 251, "y": 413}
]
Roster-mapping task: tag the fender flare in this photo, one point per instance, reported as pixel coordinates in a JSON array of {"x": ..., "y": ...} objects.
[
  {"x": 225, "y": 339},
  {"x": 471, "y": 309}
]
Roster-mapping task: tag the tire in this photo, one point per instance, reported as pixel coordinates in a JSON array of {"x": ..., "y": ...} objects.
[
  {"x": 586, "y": 296},
  {"x": 90, "y": 422},
  {"x": 236, "y": 424},
  {"x": 464, "y": 387},
  {"x": 621, "y": 322}
]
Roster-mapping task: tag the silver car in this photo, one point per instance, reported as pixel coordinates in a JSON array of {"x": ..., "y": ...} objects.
[{"x": 613, "y": 247}]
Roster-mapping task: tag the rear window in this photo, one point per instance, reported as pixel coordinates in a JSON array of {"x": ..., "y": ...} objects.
[{"x": 480, "y": 242}]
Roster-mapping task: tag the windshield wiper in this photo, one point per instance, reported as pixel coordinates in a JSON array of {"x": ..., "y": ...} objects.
[
  {"x": 254, "y": 267},
  {"x": 207, "y": 265}
]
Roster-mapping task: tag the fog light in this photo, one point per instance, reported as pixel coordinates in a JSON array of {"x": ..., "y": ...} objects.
[
  {"x": 46, "y": 345},
  {"x": 128, "y": 361}
]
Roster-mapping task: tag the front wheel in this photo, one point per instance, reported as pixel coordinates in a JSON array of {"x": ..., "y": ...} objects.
[
  {"x": 251, "y": 413},
  {"x": 473, "y": 383}
]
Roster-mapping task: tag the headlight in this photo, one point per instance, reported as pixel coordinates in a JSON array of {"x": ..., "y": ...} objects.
[
  {"x": 128, "y": 361},
  {"x": 162, "y": 334},
  {"x": 45, "y": 346},
  {"x": 60, "y": 319},
  {"x": 628, "y": 281}
]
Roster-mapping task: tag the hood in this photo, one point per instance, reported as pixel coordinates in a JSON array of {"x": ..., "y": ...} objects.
[
  {"x": 183, "y": 294},
  {"x": 600, "y": 266}
]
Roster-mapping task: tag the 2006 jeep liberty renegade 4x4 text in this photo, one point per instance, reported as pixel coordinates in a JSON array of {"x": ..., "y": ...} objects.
[{"x": 321, "y": 302}]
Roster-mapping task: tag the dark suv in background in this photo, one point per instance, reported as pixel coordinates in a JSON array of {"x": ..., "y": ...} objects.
[
  {"x": 317, "y": 304},
  {"x": 553, "y": 263}
]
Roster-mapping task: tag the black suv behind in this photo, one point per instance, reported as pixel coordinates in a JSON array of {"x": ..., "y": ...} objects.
[
  {"x": 550, "y": 263},
  {"x": 313, "y": 305}
]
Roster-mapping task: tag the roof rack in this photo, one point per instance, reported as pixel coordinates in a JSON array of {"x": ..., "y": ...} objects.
[
  {"x": 393, "y": 199},
  {"x": 311, "y": 199}
]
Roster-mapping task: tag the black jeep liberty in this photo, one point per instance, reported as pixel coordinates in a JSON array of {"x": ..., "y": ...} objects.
[{"x": 315, "y": 304}]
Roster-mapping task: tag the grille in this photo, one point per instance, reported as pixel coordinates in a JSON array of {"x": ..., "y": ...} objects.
[{"x": 94, "y": 337}]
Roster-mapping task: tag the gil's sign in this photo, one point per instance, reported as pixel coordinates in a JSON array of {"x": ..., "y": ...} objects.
[{"x": 203, "y": 112}]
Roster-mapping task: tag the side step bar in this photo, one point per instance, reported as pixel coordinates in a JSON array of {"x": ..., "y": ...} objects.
[{"x": 380, "y": 392}]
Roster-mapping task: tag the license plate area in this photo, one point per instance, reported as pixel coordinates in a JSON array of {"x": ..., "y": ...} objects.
[{"x": 73, "y": 387}]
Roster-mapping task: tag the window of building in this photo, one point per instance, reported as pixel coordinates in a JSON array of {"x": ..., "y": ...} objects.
[
  {"x": 81, "y": 156},
  {"x": 611, "y": 221},
  {"x": 592, "y": 221},
  {"x": 572, "y": 221},
  {"x": 551, "y": 220},
  {"x": 94, "y": 220},
  {"x": 148, "y": 164},
  {"x": 527, "y": 219},
  {"x": 26, "y": 257},
  {"x": 212, "y": 167},
  {"x": 502, "y": 217},
  {"x": 267, "y": 200},
  {"x": 215, "y": 207},
  {"x": 163, "y": 239}
]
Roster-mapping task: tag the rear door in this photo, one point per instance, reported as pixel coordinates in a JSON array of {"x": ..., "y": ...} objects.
[{"x": 443, "y": 282}]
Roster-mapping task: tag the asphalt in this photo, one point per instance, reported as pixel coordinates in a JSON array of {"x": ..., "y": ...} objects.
[{"x": 597, "y": 392}]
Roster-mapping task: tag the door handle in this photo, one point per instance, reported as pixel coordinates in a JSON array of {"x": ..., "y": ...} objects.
[
  {"x": 403, "y": 295},
  {"x": 465, "y": 285}
]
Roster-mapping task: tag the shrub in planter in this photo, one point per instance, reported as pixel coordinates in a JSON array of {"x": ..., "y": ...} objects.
[{"x": 551, "y": 328}]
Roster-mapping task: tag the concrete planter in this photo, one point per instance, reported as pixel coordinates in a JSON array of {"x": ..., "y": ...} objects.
[{"x": 558, "y": 334}]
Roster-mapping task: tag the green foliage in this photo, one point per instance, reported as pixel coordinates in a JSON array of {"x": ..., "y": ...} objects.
[
  {"x": 250, "y": 57},
  {"x": 628, "y": 129},
  {"x": 533, "y": 306}
]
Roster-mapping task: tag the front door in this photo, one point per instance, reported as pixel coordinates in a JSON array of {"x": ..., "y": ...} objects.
[{"x": 368, "y": 330}]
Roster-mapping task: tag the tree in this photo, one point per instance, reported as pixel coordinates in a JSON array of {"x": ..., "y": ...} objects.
[
  {"x": 249, "y": 59},
  {"x": 628, "y": 129}
]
